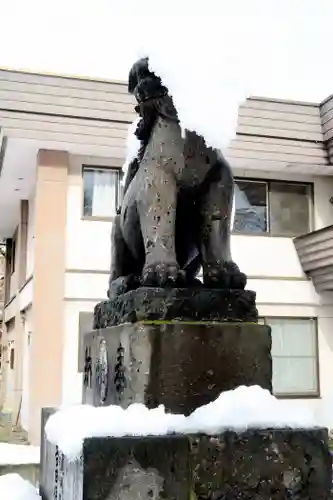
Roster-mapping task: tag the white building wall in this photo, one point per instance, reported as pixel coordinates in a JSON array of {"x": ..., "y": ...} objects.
[
  {"x": 271, "y": 264},
  {"x": 88, "y": 241},
  {"x": 88, "y": 247}
]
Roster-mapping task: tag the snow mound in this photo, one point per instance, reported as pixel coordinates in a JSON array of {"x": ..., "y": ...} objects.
[
  {"x": 14, "y": 487},
  {"x": 240, "y": 409},
  {"x": 17, "y": 454}
]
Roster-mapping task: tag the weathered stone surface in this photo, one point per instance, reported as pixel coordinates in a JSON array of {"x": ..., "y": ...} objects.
[
  {"x": 179, "y": 365},
  {"x": 48, "y": 467},
  {"x": 166, "y": 304},
  {"x": 255, "y": 465}
]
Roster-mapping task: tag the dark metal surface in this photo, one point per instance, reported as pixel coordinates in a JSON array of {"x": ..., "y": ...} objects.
[{"x": 176, "y": 212}]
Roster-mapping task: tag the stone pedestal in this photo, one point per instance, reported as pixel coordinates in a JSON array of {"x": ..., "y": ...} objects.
[
  {"x": 178, "y": 364},
  {"x": 48, "y": 461},
  {"x": 254, "y": 465},
  {"x": 183, "y": 304}
]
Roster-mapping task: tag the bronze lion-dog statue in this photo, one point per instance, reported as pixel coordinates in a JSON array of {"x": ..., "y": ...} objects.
[{"x": 176, "y": 211}]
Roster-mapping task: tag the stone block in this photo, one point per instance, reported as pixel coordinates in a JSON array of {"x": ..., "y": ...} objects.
[
  {"x": 185, "y": 304},
  {"x": 181, "y": 365},
  {"x": 47, "y": 459},
  {"x": 254, "y": 465}
]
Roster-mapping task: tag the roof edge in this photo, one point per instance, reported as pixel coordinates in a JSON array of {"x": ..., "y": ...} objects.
[
  {"x": 68, "y": 76},
  {"x": 285, "y": 101},
  {"x": 326, "y": 100},
  {"x": 62, "y": 76}
]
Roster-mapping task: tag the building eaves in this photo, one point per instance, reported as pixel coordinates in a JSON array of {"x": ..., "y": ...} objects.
[
  {"x": 65, "y": 76},
  {"x": 3, "y": 146}
]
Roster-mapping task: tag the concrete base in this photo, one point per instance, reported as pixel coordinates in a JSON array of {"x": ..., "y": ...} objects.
[
  {"x": 255, "y": 465},
  {"x": 181, "y": 365}
]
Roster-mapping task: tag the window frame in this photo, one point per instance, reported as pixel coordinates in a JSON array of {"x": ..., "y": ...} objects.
[
  {"x": 11, "y": 253},
  {"x": 107, "y": 168},
  {"x": 12, "y": 358},
  {"x": 313, "y": 395},
  {"x": 268, "y": 182}
]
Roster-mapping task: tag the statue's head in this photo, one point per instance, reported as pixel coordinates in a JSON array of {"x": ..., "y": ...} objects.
[
  {"x": 152, "y": 98},
  {"x": 143, "y": 83}
]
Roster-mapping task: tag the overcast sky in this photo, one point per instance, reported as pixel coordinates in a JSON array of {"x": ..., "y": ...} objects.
[{"x": 101, "y": 38}]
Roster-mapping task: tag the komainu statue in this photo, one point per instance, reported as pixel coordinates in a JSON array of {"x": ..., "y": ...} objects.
[{"x": 176, "y": 212}]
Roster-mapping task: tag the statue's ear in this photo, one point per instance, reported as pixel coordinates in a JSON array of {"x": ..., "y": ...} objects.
[
  {"x": 132, "y": 80},
  {"x": 139, "y": 71}
]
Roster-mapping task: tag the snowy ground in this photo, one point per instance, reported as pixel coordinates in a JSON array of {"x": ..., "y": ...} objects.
[{"x": 13, "y": 487}]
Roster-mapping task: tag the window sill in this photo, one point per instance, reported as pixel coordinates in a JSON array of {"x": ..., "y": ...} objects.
[
  {"x": 94, "y": 218},
  {"x": 267, "y": 235},
  {"x": 315, "y": 395}
]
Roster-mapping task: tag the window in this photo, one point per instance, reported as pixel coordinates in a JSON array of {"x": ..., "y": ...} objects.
[
  {"x": 274, "y": 207},
  {"x": 12, "y": 358},
  {"x": 12, "y": 255},
  {"x": 295, "y": 356},
  {"x": 101, "y": 192}
]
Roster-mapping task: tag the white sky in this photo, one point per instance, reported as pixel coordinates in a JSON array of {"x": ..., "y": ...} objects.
[
  {"x": 227, "y": 49},
  {"x": 100, "y": 38}
]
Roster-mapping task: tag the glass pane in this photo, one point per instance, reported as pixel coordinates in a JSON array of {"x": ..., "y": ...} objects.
[
  {"x": 294, "y": 376},
  {"x": 289, "y": 208},
  {"x": 250, "y": 207},
  {"x": 100, "y": 192},
  {"x": 88, "y": 179},
  {"x": 293, "y": 337}
]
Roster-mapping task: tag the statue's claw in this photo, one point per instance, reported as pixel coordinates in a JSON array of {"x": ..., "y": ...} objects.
[
  {"x": 226, "y": 276},
  {"x": 122, "y": 285},
  {"x": 162, "y": 274}
]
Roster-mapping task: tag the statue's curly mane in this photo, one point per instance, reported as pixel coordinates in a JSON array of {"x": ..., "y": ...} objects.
[{"x": 153, "y": 101}]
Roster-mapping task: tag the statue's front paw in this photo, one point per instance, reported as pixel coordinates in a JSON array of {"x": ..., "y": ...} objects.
[
  {"x": 162, "y": 274},
  {"x": 226, "y": 276},
  {"x": 121, "y": 285}
]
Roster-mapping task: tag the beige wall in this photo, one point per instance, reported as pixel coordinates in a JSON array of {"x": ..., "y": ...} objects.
[
  {"x": 46, "y": 346},
  {"x": 38, "y": 280}
]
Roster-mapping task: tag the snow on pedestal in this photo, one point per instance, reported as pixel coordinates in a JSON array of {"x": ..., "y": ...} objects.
[
  {"x": 245, "y": 442},
  {"x": 240, "y": 409}
]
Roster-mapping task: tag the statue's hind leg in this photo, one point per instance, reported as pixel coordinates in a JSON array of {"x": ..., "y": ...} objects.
[{"x": 219, "y": 270}]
